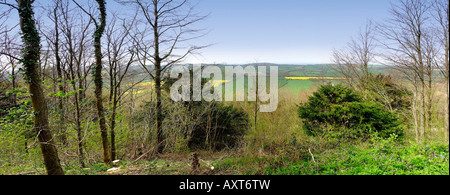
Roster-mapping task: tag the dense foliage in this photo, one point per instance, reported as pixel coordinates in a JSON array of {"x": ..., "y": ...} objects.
[
  {"x": 199, "y": 125},
  {"x": 340, "y": 112},
  {"x": 386, "y": 91},
  {"x": 221, "y": 127},
  {"x": 19, "y": 119}
]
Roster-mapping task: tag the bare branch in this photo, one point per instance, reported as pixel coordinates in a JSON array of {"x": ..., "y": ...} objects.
[
  {"x": 9, "y": 4},
  {"x": 86, "y": 12}
]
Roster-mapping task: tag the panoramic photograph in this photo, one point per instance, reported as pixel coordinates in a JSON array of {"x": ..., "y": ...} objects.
[{"x": 234, "y": 88}]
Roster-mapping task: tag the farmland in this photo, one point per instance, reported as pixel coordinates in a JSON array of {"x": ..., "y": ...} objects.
[{"x": 294, "y": 78}]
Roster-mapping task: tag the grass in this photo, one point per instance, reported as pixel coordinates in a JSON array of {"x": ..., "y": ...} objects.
[
  {"x": 347, "y": 159},
  {"x": 359, "y": 159},
  {"x": 297, "y": 86}
]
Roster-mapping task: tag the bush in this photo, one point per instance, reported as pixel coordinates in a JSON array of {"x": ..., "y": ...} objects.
[
  {"x": 19, "y": 119},
  {"x": 384, "y": 90},
  {"x": 220, "y": 127},
  {"x": 196, "y": 125},
  {"x": 339, "y": 112}
]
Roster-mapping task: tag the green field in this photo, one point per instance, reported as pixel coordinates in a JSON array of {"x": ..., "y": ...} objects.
[{"x": 297, "y": 86}]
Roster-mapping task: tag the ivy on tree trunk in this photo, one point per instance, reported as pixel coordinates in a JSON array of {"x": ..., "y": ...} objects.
[{"x": 30, "y": 61}]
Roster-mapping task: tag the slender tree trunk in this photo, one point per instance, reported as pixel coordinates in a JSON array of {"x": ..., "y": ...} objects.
[
  {"x": 423, "y": 115},
  {"x": 62, "y": 133},
  {"x": 13, "y": 81},
  {"x": 111, "y": 84},
  {"x": 78, "y": 126},
  {"x": 447, "y": 90},
  {"x": 77, "y": 100},
  {"x": 446, "y": 130},
  {"x": 159, "y": 117},
  {"x": 429, "y": 100},
  {"x": 99, "y": 82},
  {"x": 31, "y": 53},
  {"x": 414, "y": 113},
  {"x": 80, "y": 84},
  {"x": 422, "y": 85},
  {"x": 366, "y": 70},
  {"x": 113, "y": 126},
  {"x": 113, "y": 103}
]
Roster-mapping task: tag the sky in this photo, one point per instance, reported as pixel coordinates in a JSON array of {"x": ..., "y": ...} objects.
[
  {"x": 282, "y": 31},
  {"x": 279, "y": 31}
]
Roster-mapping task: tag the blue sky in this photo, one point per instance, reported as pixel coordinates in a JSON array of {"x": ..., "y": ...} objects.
[
  {"x": 279, "y": 31},
  {"x": 282, "y": 31}
]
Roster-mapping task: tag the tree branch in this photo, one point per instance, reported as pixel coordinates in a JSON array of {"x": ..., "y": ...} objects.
[{"x": 90, "y": 15}]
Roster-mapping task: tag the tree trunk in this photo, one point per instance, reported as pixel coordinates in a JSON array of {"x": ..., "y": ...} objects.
[
  {"x": 99, "y": 82},
  {"x": 111, "y": 83},
  {"x": 14, "y": 82},
  {"x": 113, "y": 126},
  {"x": 61, "y": 131},
  {"x": 429, "y": 100},
  {"x": 423, "y": 113},
  {"x": 447, "y": 107},
  {"x": 159, "y": 117},
  {"x": 421, "y": 69},
  {"x": 446, "y": 76},
  {"x": 80, "y": 84},
  {"x": 415, "y": 117},
  {"x": 169, "y": 21},
  {"x": 31, "y": 53},
  {"x": 78, "y": 126},
  {"x": 76, "y": 99}
]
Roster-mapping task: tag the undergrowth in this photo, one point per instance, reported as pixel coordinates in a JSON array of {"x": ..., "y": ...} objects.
[{"x": 379, "y": 158}]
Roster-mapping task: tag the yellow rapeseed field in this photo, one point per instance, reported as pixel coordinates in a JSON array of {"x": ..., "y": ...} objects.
[
  {"x": 219, "y": 82},
  {"x": 141, "y": 88},
  {"x": 147, "y": 86}
]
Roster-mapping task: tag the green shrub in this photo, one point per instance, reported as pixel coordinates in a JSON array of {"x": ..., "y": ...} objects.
[
  {"x": 339, "y": 112},
  {"x": 219, "y": 127},
  {"x": 392, "y": 95},
  {"x": 19, "y": 119},
  {"x": 197, "y": 125}
]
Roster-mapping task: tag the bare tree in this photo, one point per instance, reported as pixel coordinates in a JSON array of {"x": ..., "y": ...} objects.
[
  {"x": 409, "y": 46},
  {"x": 52, "y": 36},
  {"x": 440, "y": 12},
  {"x": 100, "y": 25},
  {"x": 77, "y": 51},
  {"x": 69, "y": 30},
  {"x": 352, "y": 62},
  {"x": 56, "y": 46},
  {"x": 120, "y": 57},
  {"x": 164, "y": 42},
  {"x": 9, "y": 56},
  {"x": 30, "y": 61}
]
